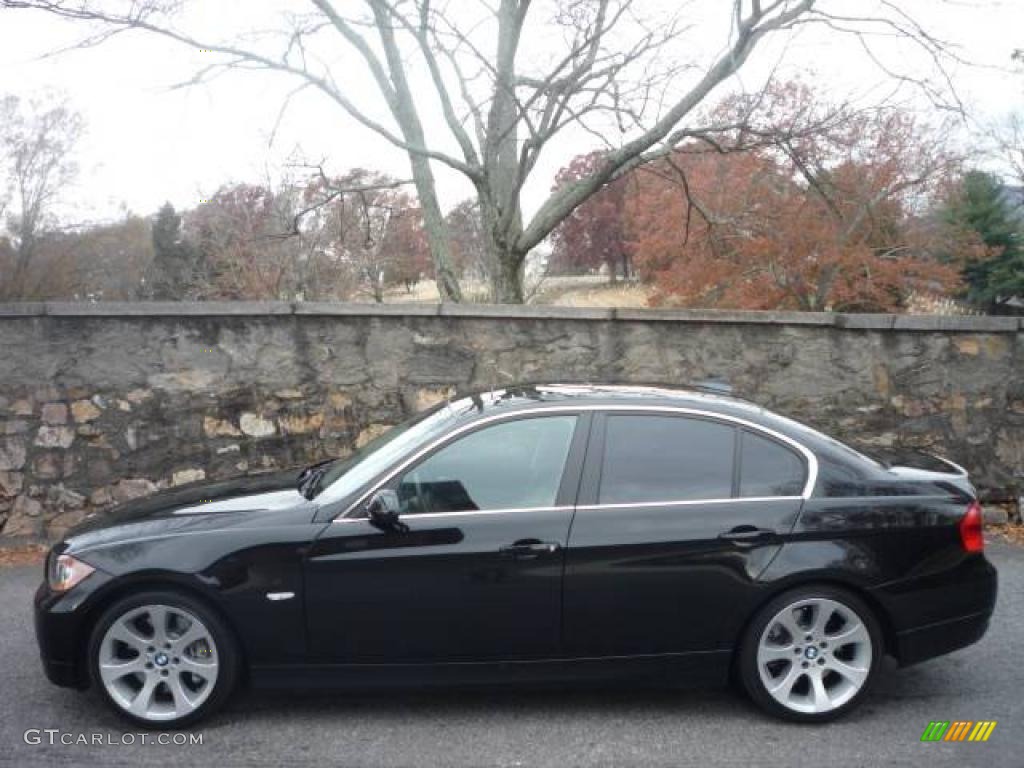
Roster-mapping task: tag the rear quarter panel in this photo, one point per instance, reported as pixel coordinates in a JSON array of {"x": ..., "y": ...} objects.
[{"x": 903, "y": 552}]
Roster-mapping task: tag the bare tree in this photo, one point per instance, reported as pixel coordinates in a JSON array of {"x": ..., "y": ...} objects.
[
  {"x": 603, "y": 68},
  {"x": 363, "y": 222},
  {"x": 37, "y": 141},
  {"x": 1007, "y": 140},
  {"x": 468, "y": 250}
]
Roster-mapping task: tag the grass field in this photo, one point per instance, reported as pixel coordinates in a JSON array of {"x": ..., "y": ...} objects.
[{"x": 565, "y": 291}]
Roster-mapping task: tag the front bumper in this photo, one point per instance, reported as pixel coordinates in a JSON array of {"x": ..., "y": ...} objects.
[
  {"x": 64, "y": 674},
  {"x": 62, "y": 622}
]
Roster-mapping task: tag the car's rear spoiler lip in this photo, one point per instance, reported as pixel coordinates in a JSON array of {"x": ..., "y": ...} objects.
[
  {"x": 959, "y": 477},
  {"x": 960, "y": 470}
]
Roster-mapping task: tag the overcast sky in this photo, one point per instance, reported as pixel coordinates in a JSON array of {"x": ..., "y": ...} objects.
[{"x": 147, "y": 143}]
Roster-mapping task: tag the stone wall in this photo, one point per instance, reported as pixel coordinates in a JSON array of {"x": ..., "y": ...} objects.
[{"x": 102, "y": 403}]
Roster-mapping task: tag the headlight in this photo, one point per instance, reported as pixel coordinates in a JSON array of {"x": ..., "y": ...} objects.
[{"x": 64, "y": 572}]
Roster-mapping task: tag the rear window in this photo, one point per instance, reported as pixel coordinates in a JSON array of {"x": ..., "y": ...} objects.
[{"x": 768, "y": 468}]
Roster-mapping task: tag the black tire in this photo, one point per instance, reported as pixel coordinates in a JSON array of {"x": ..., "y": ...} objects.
[
  {"x": 747, "y": 662},
  {"x": 228, "y": 658}
]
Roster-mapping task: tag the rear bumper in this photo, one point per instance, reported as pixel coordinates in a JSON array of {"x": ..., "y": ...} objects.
[
  {"x": 945, "y": 614},
  {"x": 943, "y": 637}
]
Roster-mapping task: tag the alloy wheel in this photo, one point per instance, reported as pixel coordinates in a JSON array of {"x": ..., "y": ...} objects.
[
  {"x": 158, "y": 662},
  {"x": 814, "y": 655}
]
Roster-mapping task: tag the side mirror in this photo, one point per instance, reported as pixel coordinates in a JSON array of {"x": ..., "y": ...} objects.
[{"x": 383, "y": 510}]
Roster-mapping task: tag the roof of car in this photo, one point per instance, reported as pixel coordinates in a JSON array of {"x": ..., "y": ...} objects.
[
  {"x": 518, "y": 396},
  {"x": 710, "y": 399},
  {"x": 558, "y": 392}
]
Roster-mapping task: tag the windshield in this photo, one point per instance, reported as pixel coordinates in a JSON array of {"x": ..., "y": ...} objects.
[{"x": 346, "y": 476}]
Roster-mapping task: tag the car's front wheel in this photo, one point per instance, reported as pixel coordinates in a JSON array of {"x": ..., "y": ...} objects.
[
  {"x": 810, "y": 654},
  {"x": 162, "y": 659}
]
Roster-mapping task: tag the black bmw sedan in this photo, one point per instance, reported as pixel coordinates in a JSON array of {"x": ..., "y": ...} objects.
[{"x": 545, "y": 532}]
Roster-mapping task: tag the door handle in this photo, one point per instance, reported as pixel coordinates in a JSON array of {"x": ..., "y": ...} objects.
[
  {"x": 528, "y": 549},
  {"x": 748, "y": 535}
]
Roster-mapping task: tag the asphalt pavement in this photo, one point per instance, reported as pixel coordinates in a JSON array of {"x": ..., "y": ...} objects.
[{"x": 509, "y": 727}]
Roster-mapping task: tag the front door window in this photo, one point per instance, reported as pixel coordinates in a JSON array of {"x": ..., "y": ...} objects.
[{"x": 512, "y": 465}]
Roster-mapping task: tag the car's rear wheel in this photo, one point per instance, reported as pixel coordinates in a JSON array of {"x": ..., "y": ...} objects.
[
  {"x": 811, "y": 654},
  {"x": 162, "y": 659}
]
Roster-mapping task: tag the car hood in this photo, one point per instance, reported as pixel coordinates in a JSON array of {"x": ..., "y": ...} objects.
[{"x": 191, "y": 508}]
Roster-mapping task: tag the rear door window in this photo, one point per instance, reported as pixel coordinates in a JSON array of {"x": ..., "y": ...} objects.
[{"x": 653, "y": 458}]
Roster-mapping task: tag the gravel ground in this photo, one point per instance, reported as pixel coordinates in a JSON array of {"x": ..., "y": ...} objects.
[{"x": 558, "y": 728}]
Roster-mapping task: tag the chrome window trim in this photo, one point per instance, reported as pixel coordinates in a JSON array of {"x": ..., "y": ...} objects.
[
  {"x": 812, "y": 460},
  {"x": 466, "y": 513},
  {"x": 686, "y": 502},
  {"x": 569, "y": 508}
]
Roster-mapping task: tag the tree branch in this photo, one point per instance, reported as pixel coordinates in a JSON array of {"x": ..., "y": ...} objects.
[{"x": 630, "y": 155}]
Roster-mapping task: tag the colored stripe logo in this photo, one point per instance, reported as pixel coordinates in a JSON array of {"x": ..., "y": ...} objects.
[{"x": 958, "y": 730}]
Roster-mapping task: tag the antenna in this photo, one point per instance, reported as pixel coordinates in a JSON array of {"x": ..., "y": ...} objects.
[
  {"x": 495, "y": 372},
  {"x": 714, "y": 384}
]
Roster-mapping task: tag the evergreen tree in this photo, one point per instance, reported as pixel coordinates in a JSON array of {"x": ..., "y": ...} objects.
[
  {"x": 981, "y": 206},
  {"x": 176, "y": 270}
]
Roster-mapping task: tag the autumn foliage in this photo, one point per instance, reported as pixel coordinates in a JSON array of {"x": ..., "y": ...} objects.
[
  {"x": 365, "y": 223},
  {"x": 594, "y": 235},
  {"x": 805, "y": 206},
  {"x": 762, "y": 240},
  {"x": 234, "y": 231},
  {"x": 348, "y": 237}
]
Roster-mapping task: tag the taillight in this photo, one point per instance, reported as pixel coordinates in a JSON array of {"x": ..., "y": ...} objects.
[{"x": 971, "y": 529}]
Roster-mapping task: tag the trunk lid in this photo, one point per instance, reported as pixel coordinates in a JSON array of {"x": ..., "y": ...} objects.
[{"x": 915, "y": 464}]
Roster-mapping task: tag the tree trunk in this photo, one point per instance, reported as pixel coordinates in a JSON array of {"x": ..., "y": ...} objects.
[
  {"x": 16, "y": 287},
  {"x": 403, "y": 108},
  {"x": 498, "y": 191},
  {"x": 504, "y": 263},
  {"x": 448, "y": 288},
  {"x": 507, "y": 280}
]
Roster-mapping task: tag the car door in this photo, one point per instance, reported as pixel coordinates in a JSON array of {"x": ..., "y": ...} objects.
[
  {"x": 677, "y": 516},
  {"x": 474, "y": 571}
]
